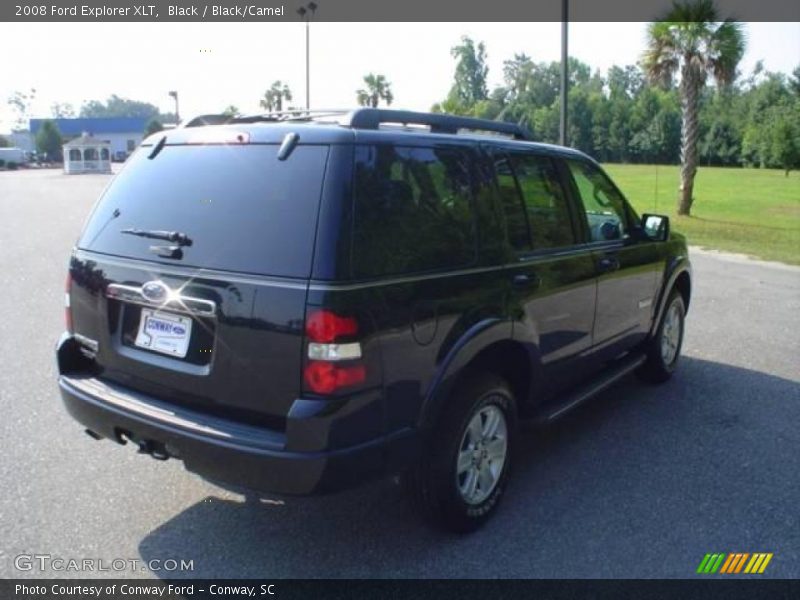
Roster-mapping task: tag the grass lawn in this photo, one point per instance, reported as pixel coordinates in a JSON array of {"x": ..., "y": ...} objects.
[{"x": 752, "y": 211}]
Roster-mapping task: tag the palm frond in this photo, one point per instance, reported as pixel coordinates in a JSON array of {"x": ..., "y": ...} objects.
[
  {"x": 693, "y": 11},
  {"x": 661, "y": 57},
  {"x": 725, "y": 50}
]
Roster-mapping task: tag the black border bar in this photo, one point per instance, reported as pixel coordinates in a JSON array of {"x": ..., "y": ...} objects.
[
  {"x": 409, "y": 589},
  {"x": 376, "y": 10}
]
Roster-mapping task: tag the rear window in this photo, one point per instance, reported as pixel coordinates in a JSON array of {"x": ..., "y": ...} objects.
[
  {"x": 242, "y": 208},
  {"x": 413, "y": 210}
]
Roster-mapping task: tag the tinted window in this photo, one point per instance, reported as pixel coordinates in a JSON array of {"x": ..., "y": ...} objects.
[
  {"x": 604, "y": 205},
  {"x": 413, "y": 210},
  {"x": 514, "y": 209},
  {"x": 243, "y": 209},
  {"x": 546, "y": 205}
]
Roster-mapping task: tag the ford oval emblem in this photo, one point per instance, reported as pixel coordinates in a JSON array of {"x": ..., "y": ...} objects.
[{"x": 155, "y": 291}]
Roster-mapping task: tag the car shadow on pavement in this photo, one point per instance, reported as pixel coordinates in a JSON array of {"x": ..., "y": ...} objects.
[{"x": 629, "y": 485}]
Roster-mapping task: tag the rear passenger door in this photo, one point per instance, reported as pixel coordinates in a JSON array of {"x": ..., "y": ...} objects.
[
  {"x": 415, "y": 261},
  {"x": 552, "y": 275},
  {"x": 627, "y": 266}
]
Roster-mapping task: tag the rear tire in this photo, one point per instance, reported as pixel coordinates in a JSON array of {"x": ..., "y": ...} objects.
[
  {"x": 664, "y": 349},
  {"x": 458, "y": 483}
]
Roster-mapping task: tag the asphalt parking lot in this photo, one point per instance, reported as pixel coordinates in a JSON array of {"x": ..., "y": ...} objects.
[{"x": 640, "y": 483}]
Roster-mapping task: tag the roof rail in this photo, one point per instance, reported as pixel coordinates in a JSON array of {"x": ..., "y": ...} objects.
[
  {"x": 297, "y": 114},
  {"x": 371, "y": 118}
]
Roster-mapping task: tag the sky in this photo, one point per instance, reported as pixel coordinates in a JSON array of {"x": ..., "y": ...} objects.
[{"x": 214, "y": 65}]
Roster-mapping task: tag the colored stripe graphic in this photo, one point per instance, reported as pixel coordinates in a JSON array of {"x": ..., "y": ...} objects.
[
  {"x": 764, "y": 564},
  {"x": 701, "y": 568},
  {"x": 734, "y": 563},
  {"x": 727, "y": 564},
  {"x": 741, "y": 562},
  {"x": 753, "y": 562},
  {"x": 710, "y": 563},
  {"x": 737, "y": 558},
  {"x": 715, "y": 565}
]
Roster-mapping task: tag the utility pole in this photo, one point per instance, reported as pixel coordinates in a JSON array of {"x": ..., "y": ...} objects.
[
  {"x": 174, "y": 94},
  {"x": 562, "y": 125},
  {"x": 306, "y": 12}
]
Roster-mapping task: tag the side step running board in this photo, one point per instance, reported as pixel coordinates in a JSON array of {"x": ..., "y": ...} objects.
[{"x": 613, "y": 374}]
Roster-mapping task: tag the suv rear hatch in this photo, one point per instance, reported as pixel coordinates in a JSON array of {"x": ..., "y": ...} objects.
[{"x": 189, "y": 281}]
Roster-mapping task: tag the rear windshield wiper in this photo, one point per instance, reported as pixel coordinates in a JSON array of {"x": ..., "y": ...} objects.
[{"x": 176, "y": 237}]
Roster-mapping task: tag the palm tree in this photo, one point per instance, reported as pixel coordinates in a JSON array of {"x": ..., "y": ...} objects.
[
  {"x": 378, "y": 88},
  {"x": 691, "y": 39},
  {"x": 274, "y": 97}
]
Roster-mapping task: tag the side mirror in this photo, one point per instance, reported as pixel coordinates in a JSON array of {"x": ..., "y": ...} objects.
[{"x": 656, "y": 227}]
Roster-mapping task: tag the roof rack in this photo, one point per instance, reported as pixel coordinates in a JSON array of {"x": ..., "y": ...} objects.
[
  {"x": 299, "y": 114},
  {"x": 372, "y": 118}
]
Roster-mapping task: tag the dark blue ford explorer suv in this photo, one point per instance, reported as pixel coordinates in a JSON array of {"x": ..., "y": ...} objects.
[{"x": 296, "y": 303}]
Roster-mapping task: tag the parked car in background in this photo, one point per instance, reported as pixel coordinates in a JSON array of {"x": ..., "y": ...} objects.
[
  {"x": 13, "y": 157},
  {"x": 299, "y": 304}
]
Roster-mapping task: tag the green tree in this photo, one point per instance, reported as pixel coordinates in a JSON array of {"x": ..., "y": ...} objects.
[
  {"x": 785, "y": 144},
  {"x": 377, "y": 88},
  {"x": 273, "y": 98},
  {"x": 231, "y": 111},
  {"x": 721, "y": 127},
  {"x": 20, "y": 102},
  {"x": 624, "y": 82},
  {"x": 794, "y": 82},
  {"x": 517, "y": 74},
  {"x": 153, "y": 126},
  {"x": 62, "y": 110},
  {"x": 766, "y": 102},
  {"x": 48, "y": 140},
  {"x": 655, "y": 126},
  {"x": 469, "y": 86},
  {"x": 692, "y": 40},
  {"x": 4, "y": 143},
  {"x": 115, "y": 106},
  {"x": 580, "y": 120}
]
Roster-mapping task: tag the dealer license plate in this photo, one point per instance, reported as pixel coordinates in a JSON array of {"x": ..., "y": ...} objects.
[{"x": 164, "y": 332}]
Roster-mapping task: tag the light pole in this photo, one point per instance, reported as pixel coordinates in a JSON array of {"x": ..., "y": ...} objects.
[
  {"x": 306, "y": 12},
  {"x": 562, "y": 122},
  {"x": 174, "y": 94}
]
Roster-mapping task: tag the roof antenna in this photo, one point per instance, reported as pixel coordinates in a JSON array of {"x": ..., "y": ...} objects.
[
  {"x": 288, "y": 145},
  {"x": 655, "y": 193},
  {"x": 159, "y": 146}
]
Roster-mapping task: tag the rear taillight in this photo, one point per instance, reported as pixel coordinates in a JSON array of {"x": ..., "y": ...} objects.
[
  {"x": 333, "y": 354},
  {"x": 67, "y": 307},
  {"x": 324, "y": 326},
  {"x": 326, "y": 378}
]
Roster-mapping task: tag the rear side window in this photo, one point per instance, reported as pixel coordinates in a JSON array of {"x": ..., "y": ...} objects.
[
  {"x": 544, "y": 200},
  {"x": 536, "y": 208},
  {"x": 413, "y": 210},
  {"x": 242, "y": 208}
]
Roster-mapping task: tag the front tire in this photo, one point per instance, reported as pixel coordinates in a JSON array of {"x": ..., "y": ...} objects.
[
  {"x": 664, "y": 349},
  {"x": 458, "y": 484}
]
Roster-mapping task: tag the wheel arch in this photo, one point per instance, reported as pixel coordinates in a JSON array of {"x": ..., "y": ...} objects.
[
  {"x": 677, "y": 275},
  {"x": 493, "y": 350},
  {"x": 683, "y": 283}
]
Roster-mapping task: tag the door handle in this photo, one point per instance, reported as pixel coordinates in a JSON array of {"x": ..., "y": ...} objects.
[
  {"x": 609, "y": 263},
  {"x": 524, "y": 280}
]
